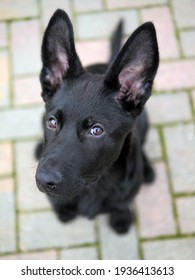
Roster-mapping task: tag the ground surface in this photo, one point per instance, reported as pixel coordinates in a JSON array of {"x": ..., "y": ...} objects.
[{"x": 165, "y": 212}]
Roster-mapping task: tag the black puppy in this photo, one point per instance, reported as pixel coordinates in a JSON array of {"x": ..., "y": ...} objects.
[{"x": 91, "y": 159}]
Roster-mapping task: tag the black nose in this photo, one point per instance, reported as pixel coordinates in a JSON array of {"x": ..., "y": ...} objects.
[{"x": 48, "y": 182}]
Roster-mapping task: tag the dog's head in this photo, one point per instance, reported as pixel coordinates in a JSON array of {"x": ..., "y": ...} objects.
[{"x": 88, "y": 116}]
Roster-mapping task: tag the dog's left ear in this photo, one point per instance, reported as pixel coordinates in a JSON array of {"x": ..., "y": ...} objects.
[
  {"x": 133, "y": 71},
  {"x": 58, "y": 52}
]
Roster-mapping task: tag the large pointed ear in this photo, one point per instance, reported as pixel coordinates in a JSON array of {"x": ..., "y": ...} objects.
[
  {"x": 58, "y": 52},
  {"x": 133, "y": 71}
]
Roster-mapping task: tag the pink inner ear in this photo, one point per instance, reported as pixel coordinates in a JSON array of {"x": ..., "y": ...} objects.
[
  {"x": 129, "y": 75},
  {"x": 59, "y": 69},
  {"x": 63, "y": 63},
  {"x": 126, "y": 78},
  {"x": 130, "y": 81}
]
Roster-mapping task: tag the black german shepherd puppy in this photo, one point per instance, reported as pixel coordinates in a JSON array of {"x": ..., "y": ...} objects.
[{"x": 91, "y": 159}]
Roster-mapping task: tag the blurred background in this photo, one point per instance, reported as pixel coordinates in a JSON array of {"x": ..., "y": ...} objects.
[{"x": 164, "y": 225}]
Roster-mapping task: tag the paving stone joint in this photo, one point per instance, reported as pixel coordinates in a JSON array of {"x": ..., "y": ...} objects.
[{"x": 165, "y": 219}]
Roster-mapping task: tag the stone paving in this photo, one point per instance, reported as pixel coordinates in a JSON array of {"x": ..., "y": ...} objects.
[{"x": 164, "y": 226}]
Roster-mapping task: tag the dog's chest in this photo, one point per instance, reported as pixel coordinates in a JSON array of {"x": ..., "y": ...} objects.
[{"x": 107, "y": 195}]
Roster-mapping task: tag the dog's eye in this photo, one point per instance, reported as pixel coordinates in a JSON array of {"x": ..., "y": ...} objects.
[
  {"x": 52, "y": 123},
  {"x": 96, "y": 130}
]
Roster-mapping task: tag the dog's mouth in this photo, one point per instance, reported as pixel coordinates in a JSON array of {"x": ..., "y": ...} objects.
[{"x": 83, "y": 186}]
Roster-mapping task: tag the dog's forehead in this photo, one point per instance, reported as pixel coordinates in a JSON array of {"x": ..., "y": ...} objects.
[
  {"x": 84, "y": 97},
  {"x": 87, "y": 87}
]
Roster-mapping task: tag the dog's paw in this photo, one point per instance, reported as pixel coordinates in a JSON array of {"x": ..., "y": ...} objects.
[
  {"x": 121, "y": 221},
  {"x": 149, "y": 175}
]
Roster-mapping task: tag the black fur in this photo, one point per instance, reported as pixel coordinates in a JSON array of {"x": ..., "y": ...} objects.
[{"x": 91, "y": 158}]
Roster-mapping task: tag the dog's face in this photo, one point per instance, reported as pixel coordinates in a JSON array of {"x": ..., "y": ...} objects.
[
  {"x": 84, "y": 133},
  {"x": 88, "y": 116}
]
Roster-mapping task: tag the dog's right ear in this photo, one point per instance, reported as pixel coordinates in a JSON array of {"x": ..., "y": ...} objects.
[
  {"x": 58, "y": 53},
  {"x": 132, "y": 73}
]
